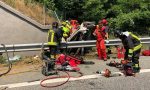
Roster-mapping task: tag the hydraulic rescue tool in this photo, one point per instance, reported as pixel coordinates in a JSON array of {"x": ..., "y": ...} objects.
[
  {"x": 107, "y": 73},
  {"x": 49, "y": 64},
  {"x": 114, "y": 64},
  {"x": 125, "y": 66},
  {"x": 65, "y": 61}
]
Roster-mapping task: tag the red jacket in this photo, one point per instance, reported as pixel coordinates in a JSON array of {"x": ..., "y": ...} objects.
[
  {"x": 100, "y": 33},
  {"x": 74, "y": 24}
]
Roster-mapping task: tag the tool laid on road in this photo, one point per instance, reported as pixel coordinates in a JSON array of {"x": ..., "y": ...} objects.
[
  {"x": 125, "y": 66},
  {"x": 114, "y": 64},
  {"x": 107, "y": 73},
  {"x": 67, "y": 62},
  {"x": 8, "y": 61}
]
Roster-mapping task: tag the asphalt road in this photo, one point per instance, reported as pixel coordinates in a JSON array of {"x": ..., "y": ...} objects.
[{"x": 140, "y": 82}]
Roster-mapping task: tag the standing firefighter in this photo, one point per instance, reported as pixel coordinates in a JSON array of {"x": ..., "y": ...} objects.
[
  {"x": 106, "y": 28},
  {"x": 132, "y": 46},
  {"x": 74, "y": 24},
  {"x": 54, "y": 39},
  {"x": 55, "y": 35},
  {"x": 66, "y": 27},
  {"x": 100, "y": 42}
]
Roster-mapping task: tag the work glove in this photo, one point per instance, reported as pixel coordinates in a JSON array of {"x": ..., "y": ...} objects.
[{"x": 107, "y": 41}]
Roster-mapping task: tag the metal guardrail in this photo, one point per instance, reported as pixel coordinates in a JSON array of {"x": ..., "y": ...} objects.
[{"x": 71, "y": 44}]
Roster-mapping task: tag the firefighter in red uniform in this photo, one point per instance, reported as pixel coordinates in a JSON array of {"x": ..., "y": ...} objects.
[
  {"x": 74, "y": 24},
  {"x": 100, "y": 42},
  {"x": 106, "y": 28}
]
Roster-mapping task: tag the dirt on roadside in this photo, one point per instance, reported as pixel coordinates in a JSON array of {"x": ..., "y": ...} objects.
[
  {"x": 33, "y": 63},
  {"x": 26, "y": 64}
]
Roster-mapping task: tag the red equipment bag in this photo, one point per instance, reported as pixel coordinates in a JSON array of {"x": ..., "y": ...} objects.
[
  {"x": 120, "y": 52},
  {"x": 73, "y": 61},
  {"x": 146, "y": 53}
]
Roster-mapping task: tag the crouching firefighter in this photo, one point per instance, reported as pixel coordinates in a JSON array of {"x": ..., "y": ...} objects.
[{"x": 132, "y": 45}]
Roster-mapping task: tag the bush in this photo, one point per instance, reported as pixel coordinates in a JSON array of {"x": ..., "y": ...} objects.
[
  {"x": 136, "y": 21},
  {"x": 2, "y": 59}
]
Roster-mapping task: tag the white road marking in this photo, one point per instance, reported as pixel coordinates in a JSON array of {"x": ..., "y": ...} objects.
[{"x": 15, "y": 85}]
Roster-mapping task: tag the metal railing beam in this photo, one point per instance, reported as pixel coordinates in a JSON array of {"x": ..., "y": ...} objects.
[{"x": 71, "y": 44}]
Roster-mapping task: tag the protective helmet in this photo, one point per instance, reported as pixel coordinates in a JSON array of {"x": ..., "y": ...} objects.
[
  {"x": 117, "y": 33},
  {"x": 104, "y": 21},
  {"x": 55, "y": 25}
]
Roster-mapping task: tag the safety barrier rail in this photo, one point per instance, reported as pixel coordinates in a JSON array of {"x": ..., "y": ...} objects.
[{"x": 71, "y": 44}]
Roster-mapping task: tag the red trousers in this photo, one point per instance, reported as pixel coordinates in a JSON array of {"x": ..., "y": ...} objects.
[{"x": 101, "y": 49}]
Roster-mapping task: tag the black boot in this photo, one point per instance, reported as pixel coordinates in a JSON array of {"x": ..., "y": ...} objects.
[{"x": 136, "y": 68}]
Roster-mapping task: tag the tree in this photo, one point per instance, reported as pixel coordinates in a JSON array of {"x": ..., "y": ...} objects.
[
  {"x": 69, "y": 8},
  {"x": 129, "y": 15}
]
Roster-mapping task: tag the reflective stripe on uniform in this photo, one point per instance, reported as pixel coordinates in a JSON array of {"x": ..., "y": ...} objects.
[
  {"x": 65, "y": 29},
  {"x": 136, "y": 65},
  {"x": 129, "y": 55},
  {"x": 134, "y": 36},
  {"x": 65, "y": 35},
  {"x": 130, "y": 51},
  {"x": 137, "y": 47},
  {"x": 52, "y": 43},
  {"x": 51, "y": 38}
]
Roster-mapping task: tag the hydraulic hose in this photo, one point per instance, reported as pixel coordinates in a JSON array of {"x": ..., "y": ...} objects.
[
  {"x": 54, "y": 77},
  {"x": 67, "y": 76},
  {"x": 9, "y": 62}
]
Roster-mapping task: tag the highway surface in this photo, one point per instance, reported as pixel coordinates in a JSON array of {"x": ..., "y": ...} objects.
[{"x": 89, "y": 81}]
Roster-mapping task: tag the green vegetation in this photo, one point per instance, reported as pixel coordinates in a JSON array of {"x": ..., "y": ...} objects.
[
  {"x": 131, "y": 15},
  {"x": 2, "y": 60}
]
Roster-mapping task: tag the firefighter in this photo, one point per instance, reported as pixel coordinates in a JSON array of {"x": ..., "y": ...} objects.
[
  {"x": 106, "y": 28},
  {"x": 132, "y": 45},
  {"x": 100, "y": 42},
  {"x": 66, "y": 29},
  {"x": 74, "y": 24},
  {"x": 54, "y": 39}
]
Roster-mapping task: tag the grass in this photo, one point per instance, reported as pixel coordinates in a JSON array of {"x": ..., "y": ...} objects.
[{"x": 32, "y": 10}]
